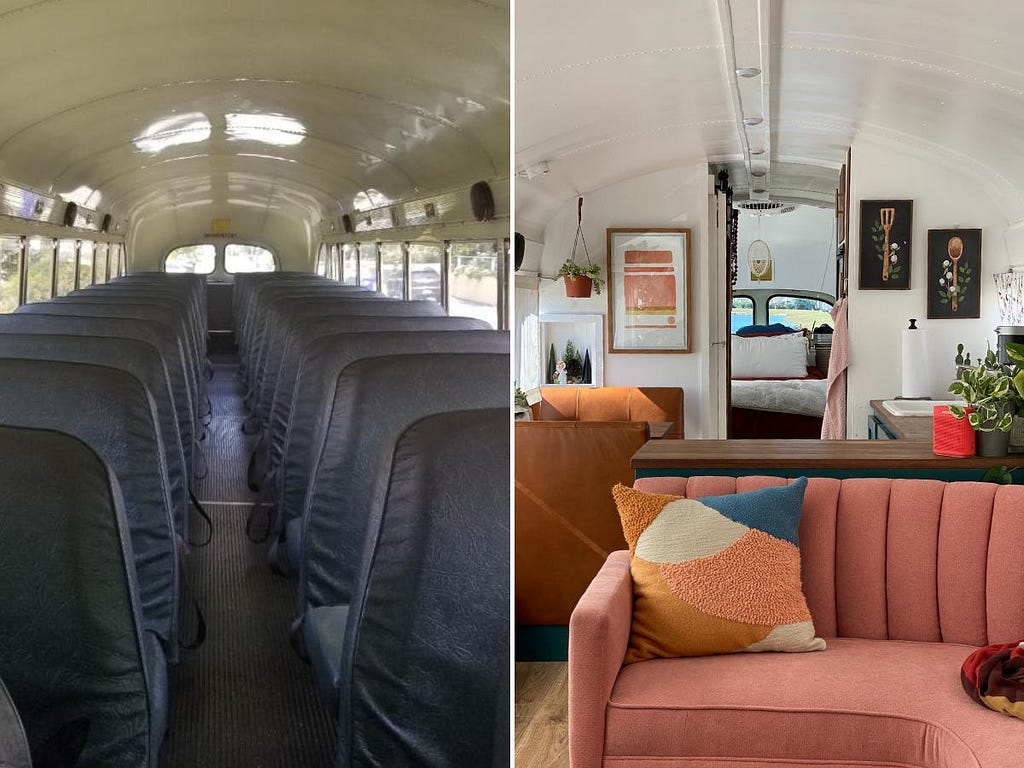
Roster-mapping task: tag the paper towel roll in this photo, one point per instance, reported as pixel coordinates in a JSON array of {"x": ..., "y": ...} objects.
[{"x": 914, "y": 359}]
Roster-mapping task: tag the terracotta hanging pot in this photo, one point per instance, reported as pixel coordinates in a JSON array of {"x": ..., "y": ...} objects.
[{"x": 580, "y": 288}]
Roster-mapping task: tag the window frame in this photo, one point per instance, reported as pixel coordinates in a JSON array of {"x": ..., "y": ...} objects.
[
  {"x": 222, "y": 257},
  {"x": 768, "y": 303},
  {"x": 188, "y": 245}
]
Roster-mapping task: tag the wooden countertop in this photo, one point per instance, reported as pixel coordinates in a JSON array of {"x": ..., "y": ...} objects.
[
  {"x": 805, "y": 454},
  {"x": 905, "y": 427}
]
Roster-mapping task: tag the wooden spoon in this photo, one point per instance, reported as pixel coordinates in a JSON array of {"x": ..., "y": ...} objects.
[
  {"x": 886, "y": 216},
  {"x": 955, "y": 249}
]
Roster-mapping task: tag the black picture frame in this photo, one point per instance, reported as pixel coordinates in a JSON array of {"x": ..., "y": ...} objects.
[
  {"x": 874, "y": 215},
  {"x": 943, "y": 267}
]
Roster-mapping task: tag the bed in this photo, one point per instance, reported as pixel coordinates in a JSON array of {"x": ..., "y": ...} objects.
[{"x": 774, "y": 393}]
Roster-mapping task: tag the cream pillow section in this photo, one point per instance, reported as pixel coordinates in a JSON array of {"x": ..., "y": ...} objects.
[{"x": 769, "y": 357}]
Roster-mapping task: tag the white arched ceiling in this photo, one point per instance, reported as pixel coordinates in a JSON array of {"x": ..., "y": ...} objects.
[
  {"x": 129, "y": 107},
  {"x": 609, "y": 93}
]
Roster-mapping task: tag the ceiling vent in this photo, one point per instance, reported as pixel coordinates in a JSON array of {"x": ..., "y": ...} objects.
[{"x": 763, "y": 206}]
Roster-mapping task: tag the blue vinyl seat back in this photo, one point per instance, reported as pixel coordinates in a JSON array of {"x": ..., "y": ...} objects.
[
  {"x": 71, "y": 633},
  {"x": 140, "y": 360},
  {"x": 181, "y": 304},
  {"x": 375, "y": 399},
  {"x": 283, "y": 318},
  {"x": 117, "y": 328},
  {"x": 424, "y": 672},
  {"x": 152, "y": 311},
  {"x": 112, "y": 413},
  {"x": 133, "y": 315},
  {"x": 306, "y": 331},
  {"x": 271, "y": 328},
  {"x": 320, "y": 368},
  {"x": 14, "y": 752},
  {"x": 264, "y": 295}
]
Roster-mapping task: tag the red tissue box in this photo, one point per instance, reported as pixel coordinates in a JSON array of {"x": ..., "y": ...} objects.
[{"x": 951, "y": 436}]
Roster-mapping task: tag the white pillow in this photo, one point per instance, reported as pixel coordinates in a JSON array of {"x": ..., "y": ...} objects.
[{"x": 769, "y": 357}]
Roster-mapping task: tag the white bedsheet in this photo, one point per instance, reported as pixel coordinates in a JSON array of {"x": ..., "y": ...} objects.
[{"x": 801, "y": 396}]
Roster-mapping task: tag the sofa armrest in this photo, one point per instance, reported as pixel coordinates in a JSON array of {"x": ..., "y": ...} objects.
[{"x": 598, "y": 638}]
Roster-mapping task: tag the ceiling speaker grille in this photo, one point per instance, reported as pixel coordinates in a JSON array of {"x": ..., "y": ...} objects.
[{"x": 764, "y": 206}]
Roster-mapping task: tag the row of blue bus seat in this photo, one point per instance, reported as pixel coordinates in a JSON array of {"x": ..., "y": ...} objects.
[
  {"x": 383, "y": 467},
  {"x": 102, "y": 396}
]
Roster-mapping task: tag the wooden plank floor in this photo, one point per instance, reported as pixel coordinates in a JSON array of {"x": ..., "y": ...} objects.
[{"x": 542, "y": 714}]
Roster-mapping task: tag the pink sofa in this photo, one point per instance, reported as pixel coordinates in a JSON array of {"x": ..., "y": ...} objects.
[{"x": 904, "y": 579}]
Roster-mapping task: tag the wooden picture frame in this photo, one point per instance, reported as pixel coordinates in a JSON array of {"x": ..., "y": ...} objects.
[
  {"x": 649, "y": 290},
  {"x": 886, "y": 238},
  {"x": 946, "y": 269}
]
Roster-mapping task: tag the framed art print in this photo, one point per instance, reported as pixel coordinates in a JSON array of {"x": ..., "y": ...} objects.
[
  {"x": 886, "y": 231},
  {"x": 649, "y": 290},
  {"x": 954, "y": 272}
]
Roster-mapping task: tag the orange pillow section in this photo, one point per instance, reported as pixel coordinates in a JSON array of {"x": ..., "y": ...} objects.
[{"x": 716, "y": 575}]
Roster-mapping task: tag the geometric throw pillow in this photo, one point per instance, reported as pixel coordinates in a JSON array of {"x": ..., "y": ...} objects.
[{"x": 715, "y": 575}]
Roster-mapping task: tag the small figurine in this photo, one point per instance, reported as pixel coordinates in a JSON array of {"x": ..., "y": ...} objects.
[{"x": 560, "y": 372}]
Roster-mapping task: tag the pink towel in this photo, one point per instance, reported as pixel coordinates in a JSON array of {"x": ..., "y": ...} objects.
[{"x": 833, "y": 425}]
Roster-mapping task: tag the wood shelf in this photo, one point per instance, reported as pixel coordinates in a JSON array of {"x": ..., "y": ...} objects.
[{"x": 751, "y": 455}]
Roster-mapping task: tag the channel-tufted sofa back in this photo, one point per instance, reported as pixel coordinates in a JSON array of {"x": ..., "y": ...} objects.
[{"x": 922, "y": 560}]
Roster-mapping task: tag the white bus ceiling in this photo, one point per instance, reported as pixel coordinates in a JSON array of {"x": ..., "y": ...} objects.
[
  {"x": 275, "y": 115},
  {"x": 608, "y": 92}
]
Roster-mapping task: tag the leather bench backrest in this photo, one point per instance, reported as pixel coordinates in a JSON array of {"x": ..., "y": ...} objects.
[
  {"x": 374, "y": 400},
  {"x": 265, "y": 295},
  {"x": 561, "y": 403},
  {"x": 283, "y": 317},
  {"x": 284, "y": 310},
  {"x": 112, "y": 413},
  {"x": 73, "y": 645},
  {"x": 428, "y": 640},
  {"x": 134, "y": 315},
  {"x": 14, "y": 752},
  {"x": 164, "y": 312},
  {"x": 117, "y": 328},
  {"x": 901, "y": 559},
  {"x": 140, "y": 360},
  {"x": 566, "y": 521},
  {"x": 319, "y": 369},
  {"x": 307, "y": 331}
]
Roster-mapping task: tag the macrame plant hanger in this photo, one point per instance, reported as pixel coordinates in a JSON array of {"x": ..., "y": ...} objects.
[{"x": 581, "y": 287}]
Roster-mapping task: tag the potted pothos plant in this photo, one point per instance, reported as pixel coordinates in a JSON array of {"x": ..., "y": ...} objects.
[
  {"x": 580, "y": 279},
  {"x": 994, "y": 393}
]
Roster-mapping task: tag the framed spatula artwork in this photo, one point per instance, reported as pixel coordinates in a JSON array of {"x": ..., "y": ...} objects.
[{"x": 886, "y": 234}]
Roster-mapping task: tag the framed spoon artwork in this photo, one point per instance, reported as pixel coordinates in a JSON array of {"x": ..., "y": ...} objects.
[
  {"x": 886, "y": 230},
  {"x": 954, "y": 273}
]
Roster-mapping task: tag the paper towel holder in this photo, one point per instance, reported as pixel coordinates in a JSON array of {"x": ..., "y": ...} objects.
[{"x": 913, "y": 327}]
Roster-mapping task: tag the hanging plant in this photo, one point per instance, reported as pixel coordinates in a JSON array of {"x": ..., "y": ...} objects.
[{"x": 579, "y": 278}]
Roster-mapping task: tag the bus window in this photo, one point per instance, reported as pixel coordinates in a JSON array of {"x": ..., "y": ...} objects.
[
  {"x": 65, "y": 267},
  {"x": 102, "y": 263},
  {"x": 86, "y": 264},
  {"x": 198, "y": 259},
  {"x": 425, "y": 271},
  {"x": 321, "y": 260},
  {"x": 368, "y": 265},
  {"x": 742, "y": 312},
  {"x": 349, "y": 264},
  {"x": 39, "y": 260},
  {"x": 239, "y": 257},
  {"x": 799, "y": 312},
  {"x": 392, "y": 270},
  {"x": 473, "y": 280},
  {"x": 10, "y": 273}
]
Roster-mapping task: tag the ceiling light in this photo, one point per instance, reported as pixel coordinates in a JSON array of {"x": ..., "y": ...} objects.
[
  {"x": 172, "y": 131},
  {"x": 752, "y": 120},
  {"x": 758, "y": 190},
  {"x": 277, "y": 130},
  {"x": 758, "y": 172},
  {"x": 748, "y": 71},
  {"x": 756, "y": 151}
]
